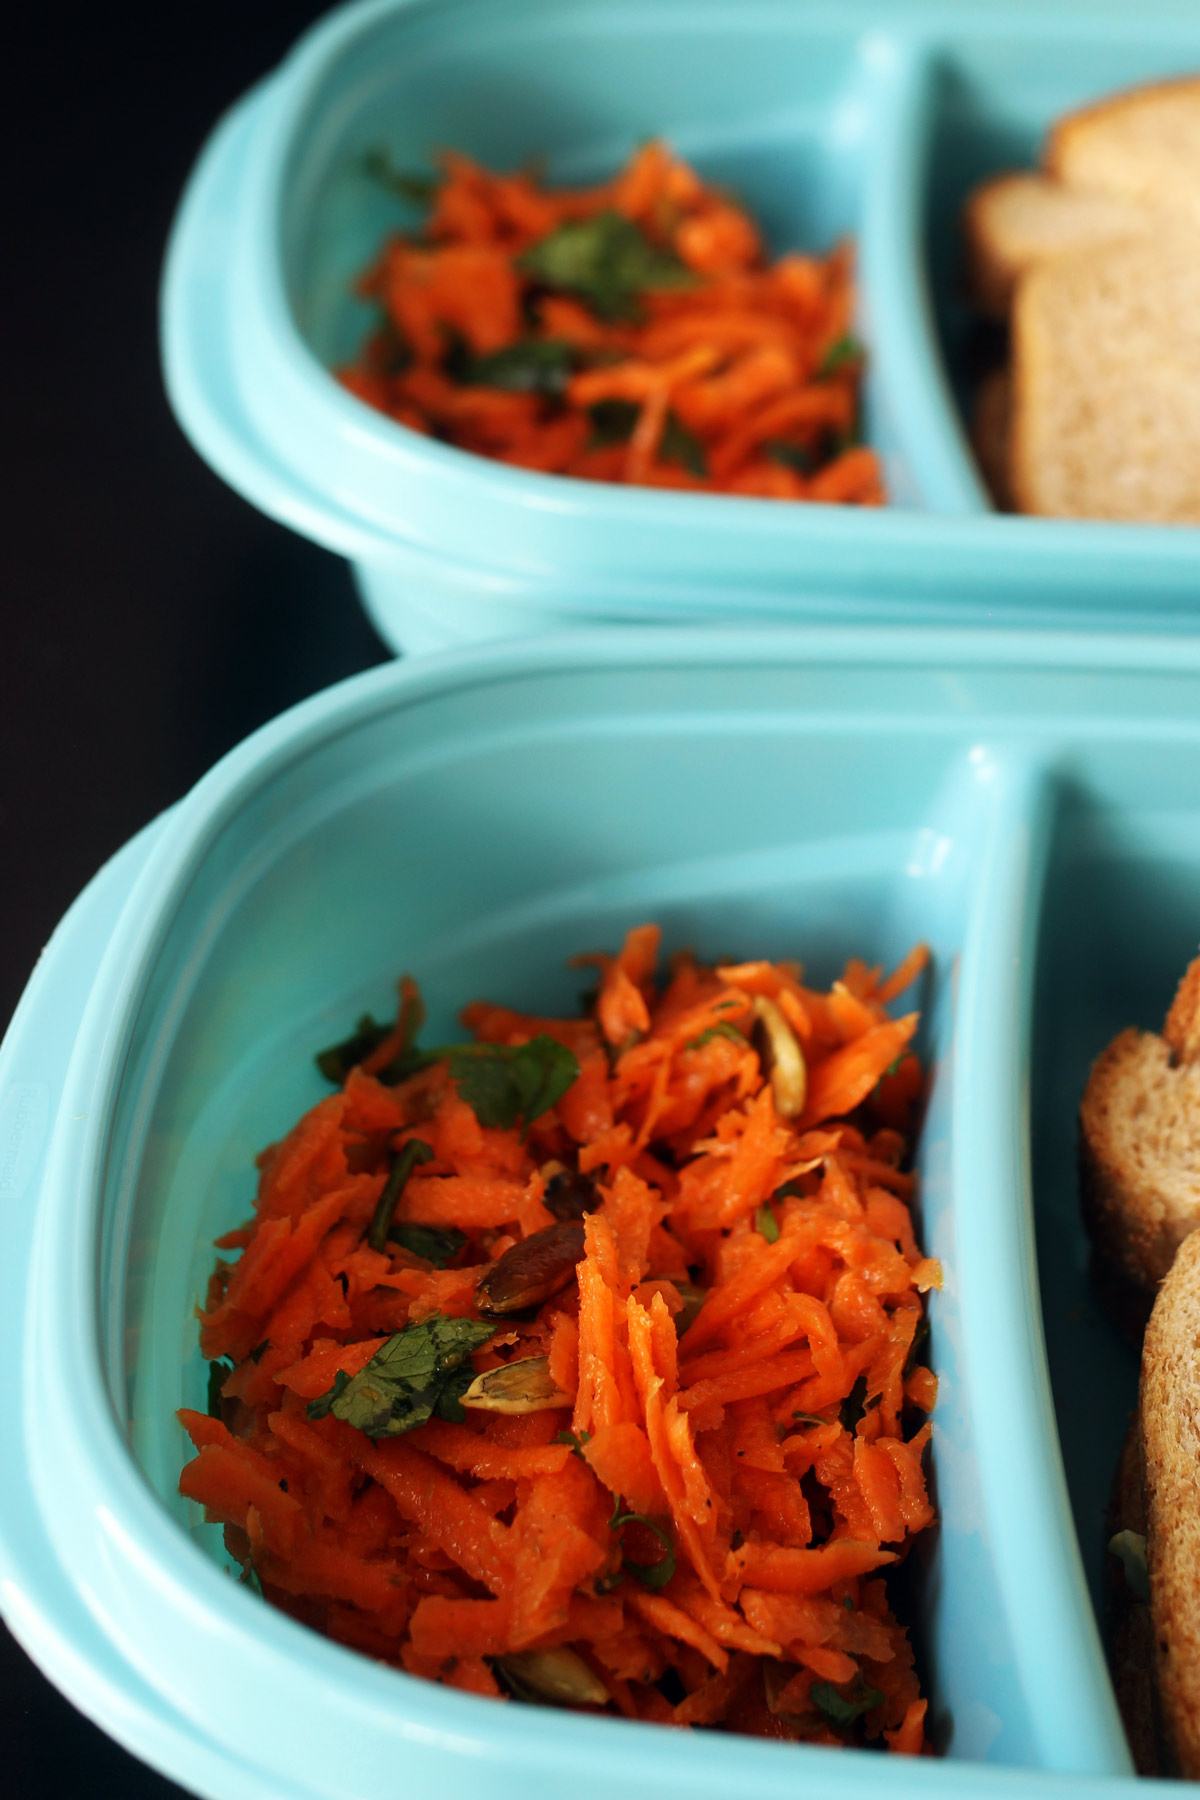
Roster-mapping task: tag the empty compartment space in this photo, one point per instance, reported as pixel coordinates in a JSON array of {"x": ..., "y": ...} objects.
[
  {"x": 996, "y": 95},
  {"x": 1122, "y": 923},
  {"x": 479, "y": 838}
]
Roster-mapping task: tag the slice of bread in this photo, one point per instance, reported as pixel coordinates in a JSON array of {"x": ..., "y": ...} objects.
[
  {"x": 1169, "y": 1407},
  {"x": 1019, "y": 219},
  {"x": 1106, "y": 382},
  {"x": 1141, "y": 146},
  {"x": 1130, "y": 1628},
  {"x": 1139, "y": 1148}
]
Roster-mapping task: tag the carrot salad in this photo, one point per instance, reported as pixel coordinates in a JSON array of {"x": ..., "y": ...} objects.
[
  {"x": 633, "y": 331},
  {"x": 578, "y": 1362}
]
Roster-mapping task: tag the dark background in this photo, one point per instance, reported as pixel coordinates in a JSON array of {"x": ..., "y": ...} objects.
[{"x": 151, "y": 617}]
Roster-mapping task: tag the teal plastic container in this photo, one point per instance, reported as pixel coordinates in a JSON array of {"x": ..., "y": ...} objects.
[
  {"x": 1027, "y": 803},
  {"x": 870, "y": 118}
]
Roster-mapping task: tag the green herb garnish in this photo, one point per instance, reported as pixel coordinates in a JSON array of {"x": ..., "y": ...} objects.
[
  {"x": 502, "y": 1083},
  {"x": 651, "y": 1575},
  {"x": 436, "y": 1244},
  {"x": 792, "y": 456},
  {"x": 843, "y": 1709},
  {"x": 842, "y": 354},
  {"x": 613, "y": 422},
  {"x": 336, "y": 1062},
  {"x": 415, "y": 1151},
  {"x": 577, "y": 1440},
  {"x": 766, "y": 1224},
  {"x": 528, "y": 366},
  {"x": 404, "y": 1381},
  {"x": 678, "y": 444},
  {"x": 406, "y": 184},
  {"x": 448, "y": 1404},
  {"x": 721, "y": 1029},
  {"x": 606, "y": 262}
]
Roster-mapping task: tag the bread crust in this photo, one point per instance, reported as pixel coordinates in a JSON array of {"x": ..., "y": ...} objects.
[
  {"x": 1169, "y": 1408},
  {"x": 1019, "y": 219},
  {"x": 1067, "y": 134},
  {"x": 1136, "y": 1220},
  {"x": 1130, "y": 1628}
]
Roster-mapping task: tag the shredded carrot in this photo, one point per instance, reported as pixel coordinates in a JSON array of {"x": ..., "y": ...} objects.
[
  {"x": 717, "y": 1452},
  {"x": 633, "y": 332}
]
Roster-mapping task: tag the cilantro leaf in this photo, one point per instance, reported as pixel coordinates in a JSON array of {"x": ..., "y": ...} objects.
[
  {"x": 528, "y": 366},
  {"x": 336, "y": 1062},
  {"x": 766, "y": 1224},
  {"x": 842, "y": 354},
  {"x": 792, "y": 456},
  {"x": 323, "y": 1404},
  {"x": 402, "y": 1385},
  {"x": 415, "y": 1151},
  {"x": 843, "y": 1709},
  {"x": 613, "y": 422},
  {"x": 651, "y": 1575},
  {"x": 502, "y": 1083},
  {"x": 721, "y": 1029},
  {"x": 682, "y": 446},
  {"x": 449, "y": 1402},
  {"x": 606, "y": 262},
  {"x": 436, "y": 1244}
]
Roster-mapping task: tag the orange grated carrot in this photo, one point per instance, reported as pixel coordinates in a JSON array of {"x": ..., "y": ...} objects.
[
  {"x": 733, "y": 1315},
  {"x": 712, "y": 369}
]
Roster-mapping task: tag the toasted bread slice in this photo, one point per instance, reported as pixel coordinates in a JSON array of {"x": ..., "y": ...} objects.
[
  {"x": 1140, "y": 146},
  {"x": 1139, "y": 1144},
  {"x": 1130, "y": 1628},
  {"x": 1169, "y": 1407},
  {"x": 1019, "y": 219},
  {"x": 1106, "y": 382}
]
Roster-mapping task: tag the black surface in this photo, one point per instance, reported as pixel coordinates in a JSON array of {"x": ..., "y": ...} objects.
[{"x": 151, "y": 618}]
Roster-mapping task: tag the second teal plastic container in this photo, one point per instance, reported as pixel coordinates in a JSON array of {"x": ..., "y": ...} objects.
[{"x": 866, "y": 119}]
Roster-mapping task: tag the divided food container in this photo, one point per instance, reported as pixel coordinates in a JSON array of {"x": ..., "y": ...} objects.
[
  {"x": 863, "y": 118},
  {"x": 1026, "y": 803}
]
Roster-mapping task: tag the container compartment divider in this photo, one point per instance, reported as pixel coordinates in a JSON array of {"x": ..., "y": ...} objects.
[
  {"x": 1006, "y": 1386},
  {"x": 916, "y": 424}
]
